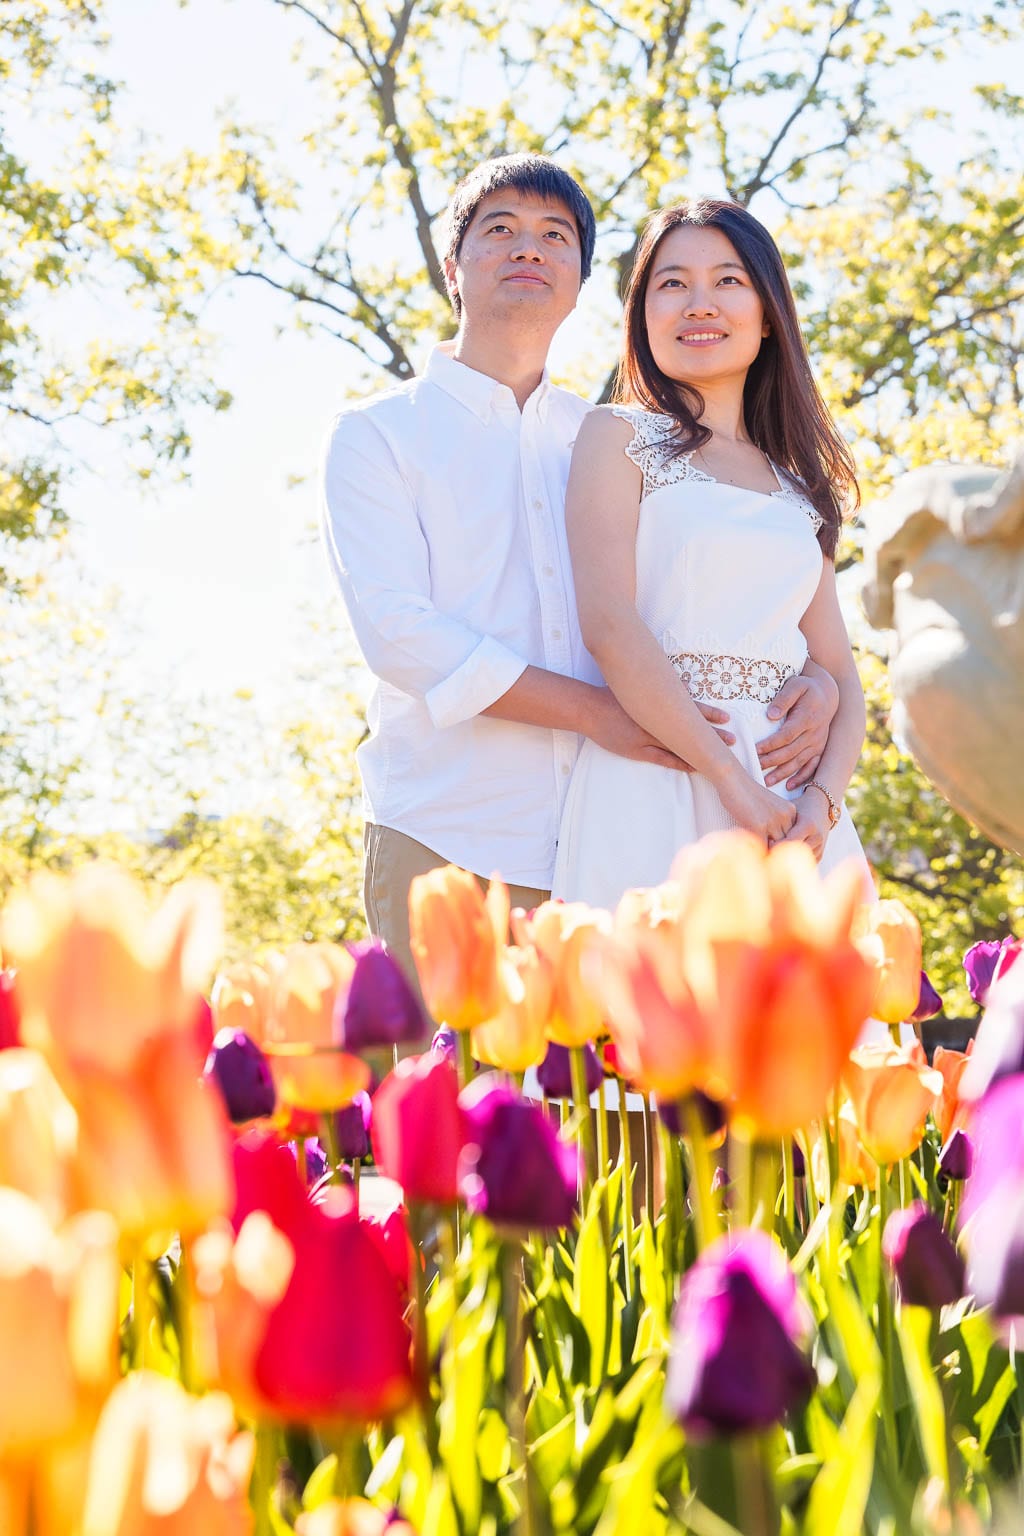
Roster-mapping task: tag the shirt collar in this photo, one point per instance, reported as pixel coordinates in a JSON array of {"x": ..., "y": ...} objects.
[{"x": 478, "y": 391}]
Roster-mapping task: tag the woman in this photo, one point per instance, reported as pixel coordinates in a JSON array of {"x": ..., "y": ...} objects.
[{"x": 703, "y": 515}]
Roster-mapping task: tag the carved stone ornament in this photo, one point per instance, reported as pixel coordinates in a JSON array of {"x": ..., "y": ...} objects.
[{"x": 945, "y": 571}]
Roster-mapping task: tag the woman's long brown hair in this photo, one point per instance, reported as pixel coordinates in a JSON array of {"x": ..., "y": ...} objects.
[{"x": 782, "y": 407}]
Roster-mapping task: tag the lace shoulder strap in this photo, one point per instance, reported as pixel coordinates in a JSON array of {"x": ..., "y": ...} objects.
[{"x": 652, "y": 449}]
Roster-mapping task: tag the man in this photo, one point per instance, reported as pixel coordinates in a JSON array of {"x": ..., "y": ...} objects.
[{"x": 444, "y": 524}]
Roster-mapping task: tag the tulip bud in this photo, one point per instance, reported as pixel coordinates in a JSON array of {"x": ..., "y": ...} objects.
[
  {"x": 987, "y": 961},
  {"x": 927, "y": 1267},
  {"x": 929, "y": 1003},
  {"x": 555, "y": 1077},
  {"x": 444, "y": 1043},
  {"x": 352, "y": 1128},
  {"x": 239, "y": 1068},
  {"x": 720, "y": 1180},
  {"x": 380, "y": 1007},
  {"x": 418, "y": 1128},
  {"x": 514, "y": 1168},
  {"x": 799, "y": 1161},
  {"x": 956, "y": 1159},
  {"x": 735, "y": 1364}
]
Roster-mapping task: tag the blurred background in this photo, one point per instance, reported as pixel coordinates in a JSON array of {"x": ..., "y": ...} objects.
[{"x": 218, "y": 224}]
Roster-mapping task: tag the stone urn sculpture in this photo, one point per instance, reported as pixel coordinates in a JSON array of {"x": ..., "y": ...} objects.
[{"x": 945, "y": 571}]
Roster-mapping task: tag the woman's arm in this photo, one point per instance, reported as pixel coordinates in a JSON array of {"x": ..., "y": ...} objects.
[
  {"x": 602, "y": 509},
  {"x": 828, "y": 643}
]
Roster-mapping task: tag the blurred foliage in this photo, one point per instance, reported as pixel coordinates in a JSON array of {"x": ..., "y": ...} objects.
[
  {"x": 961, "y": 887},
  {"x": 99, "y": 310}
]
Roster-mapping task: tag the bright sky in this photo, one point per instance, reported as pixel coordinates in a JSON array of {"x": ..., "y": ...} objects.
[{"x": 219, "y": 576}]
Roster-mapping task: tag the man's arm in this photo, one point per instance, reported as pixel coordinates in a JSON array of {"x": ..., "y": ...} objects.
[
  {"x": 806, "y": 705},
  {"x": 381, "y": 561}
]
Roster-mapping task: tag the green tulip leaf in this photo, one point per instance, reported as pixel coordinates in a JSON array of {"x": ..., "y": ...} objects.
[{"x": 914, "y": 1328}]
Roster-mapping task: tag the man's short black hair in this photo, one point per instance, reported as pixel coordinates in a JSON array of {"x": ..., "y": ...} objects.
[{"x": 532, "y": 175}]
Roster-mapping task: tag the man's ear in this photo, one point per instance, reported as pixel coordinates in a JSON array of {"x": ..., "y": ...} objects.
[{"x": 450, "y": 278}]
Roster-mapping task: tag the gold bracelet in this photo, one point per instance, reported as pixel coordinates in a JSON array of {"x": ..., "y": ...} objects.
[{"x": 835, "y": 810}]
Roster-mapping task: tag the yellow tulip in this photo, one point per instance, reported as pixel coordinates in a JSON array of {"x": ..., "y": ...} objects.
[
  {"x": 889, "y": 936},
  {"x": 167, "y": 1464},
  {"x": 240, "y": 999},
  {"x": 515, "y": 1038},
  {"x": 564, "y": 933},
  {"x": 456, "y": 933}
]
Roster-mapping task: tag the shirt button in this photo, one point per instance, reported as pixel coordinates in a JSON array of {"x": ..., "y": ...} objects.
[
  {"x": 549, "y": 570},
  {"x": 556, "y": 634},
  {"x": 538, "y": 505},
  {"x": 565, "y": 770}
]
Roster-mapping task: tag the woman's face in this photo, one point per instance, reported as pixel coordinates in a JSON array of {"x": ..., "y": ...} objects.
[{"x": 704, "y": 318}]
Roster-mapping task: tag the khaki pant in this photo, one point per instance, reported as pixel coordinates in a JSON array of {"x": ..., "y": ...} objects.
[{"x": 392, "y": 863}]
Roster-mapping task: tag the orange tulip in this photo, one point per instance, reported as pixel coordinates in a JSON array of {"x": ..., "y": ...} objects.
[
  {"x": 950, "y": 1113},
  {"x": 167, "y": 1464},
  {"x": 515, "y": 1038},
  {"x": 753, "y": 949},
  {"x": 891, "y": 1089},
  {"x": 659, "y": 1028},
  {"x": 109, "y": 993},
  {"x": 456, "y": 933},
  {"x": 564, "y": 933},
  {"x": 38, "y": 1132},
  {"x": 889, "y": 936}
]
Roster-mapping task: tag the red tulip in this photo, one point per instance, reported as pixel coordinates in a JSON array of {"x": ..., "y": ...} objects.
[{"x": 419, "y": 1129}]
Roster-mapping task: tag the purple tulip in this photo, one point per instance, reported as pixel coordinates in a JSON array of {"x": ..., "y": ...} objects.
[
  {"x": 956, "y": 1160},
  {"x": 999, "y": 1044},
  {"x": 317, "y": 1164},
  {"x": 929, "y": 1003},
  {"x": 239, "y": 1068},
  {"x": 799, "y": 1161},
  {"x": 444, "y": 1043},
  {"x": 720, "y": 1180},
  {"x": 513, "y": 1167},
  {"x": 992, "y": 1214},
  {"x": 352, "y": 1127},
  {"x": 927, "y": 1267},
  {"x": 710, "y": 1112},
  {"x": 380, "y": 1007},
  {"x": 736, "y": 1364},
  {"x": 554, "y": 1075},
  {"x": 987, "y": 961}
]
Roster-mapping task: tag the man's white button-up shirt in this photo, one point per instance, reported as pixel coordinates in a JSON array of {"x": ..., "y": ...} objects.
[{"x": 444, "y": 519}]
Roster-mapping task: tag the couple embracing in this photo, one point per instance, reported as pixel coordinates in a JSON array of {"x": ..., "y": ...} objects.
[{"x": 597, "y": 634}]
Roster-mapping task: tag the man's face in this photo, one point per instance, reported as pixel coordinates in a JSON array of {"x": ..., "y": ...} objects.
[{"x": 519, "y": 263}]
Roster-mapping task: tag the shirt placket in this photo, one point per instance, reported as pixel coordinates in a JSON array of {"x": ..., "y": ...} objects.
[{"x": 554, "y": 611}]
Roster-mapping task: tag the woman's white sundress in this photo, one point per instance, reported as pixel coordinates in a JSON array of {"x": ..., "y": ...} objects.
[{"x": 723, "y": 577}]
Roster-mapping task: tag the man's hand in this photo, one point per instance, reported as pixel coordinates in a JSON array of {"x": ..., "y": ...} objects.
[
  {"x": 806, "y": 706},
  {"x": 617, "y": 732}
]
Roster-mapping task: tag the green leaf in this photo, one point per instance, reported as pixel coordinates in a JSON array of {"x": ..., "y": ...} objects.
[
  {"x": 914, "y": 1327},
  {"x": 592, "y": 1285}
]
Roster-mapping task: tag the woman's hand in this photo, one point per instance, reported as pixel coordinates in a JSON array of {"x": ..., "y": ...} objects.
[
  {"x": 754, "y": 806},
  {"x": 812, "y": 825}
]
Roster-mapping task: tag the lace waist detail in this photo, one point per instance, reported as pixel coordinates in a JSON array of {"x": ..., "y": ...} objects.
[{"x": 711, "y": 675}]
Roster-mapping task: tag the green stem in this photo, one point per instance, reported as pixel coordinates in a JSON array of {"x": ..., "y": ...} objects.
[
  {"x": 626, "y": 1155},
  {"x": 645, "y": 1106},
  {"x": 788, "y": 1185},
  {"x": 765, "y": 1184},
  {"x": 143, "y": 1311},
  {"x": 184, "y": 1292},
  {"x": 466, "y": 1065},
  {"x": 755, "y": 1494},
  {"x": 885, "y": 1323},
  {"x": 329, "y": 1128},
  {"x": 581, "y": 1098},
  {"x": 421, "y": 1355},
  {"x": 357, "y": 1168},
  {"x": 703, "y": 1174},
  {"x": 264, "y": 1478},
  {"x": 673, "y": 1207},
  {"x": 602, "y": 1133},
  {"x": 741, "y": 1172},
  {"x": 515, "y": 1404}
]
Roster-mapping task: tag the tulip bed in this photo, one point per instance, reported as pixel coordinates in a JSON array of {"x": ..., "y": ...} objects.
[{"x": 777, "y": 1295}]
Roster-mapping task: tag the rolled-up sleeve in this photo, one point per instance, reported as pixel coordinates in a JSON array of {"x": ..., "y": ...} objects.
[{"x": 381, "y": 560}]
